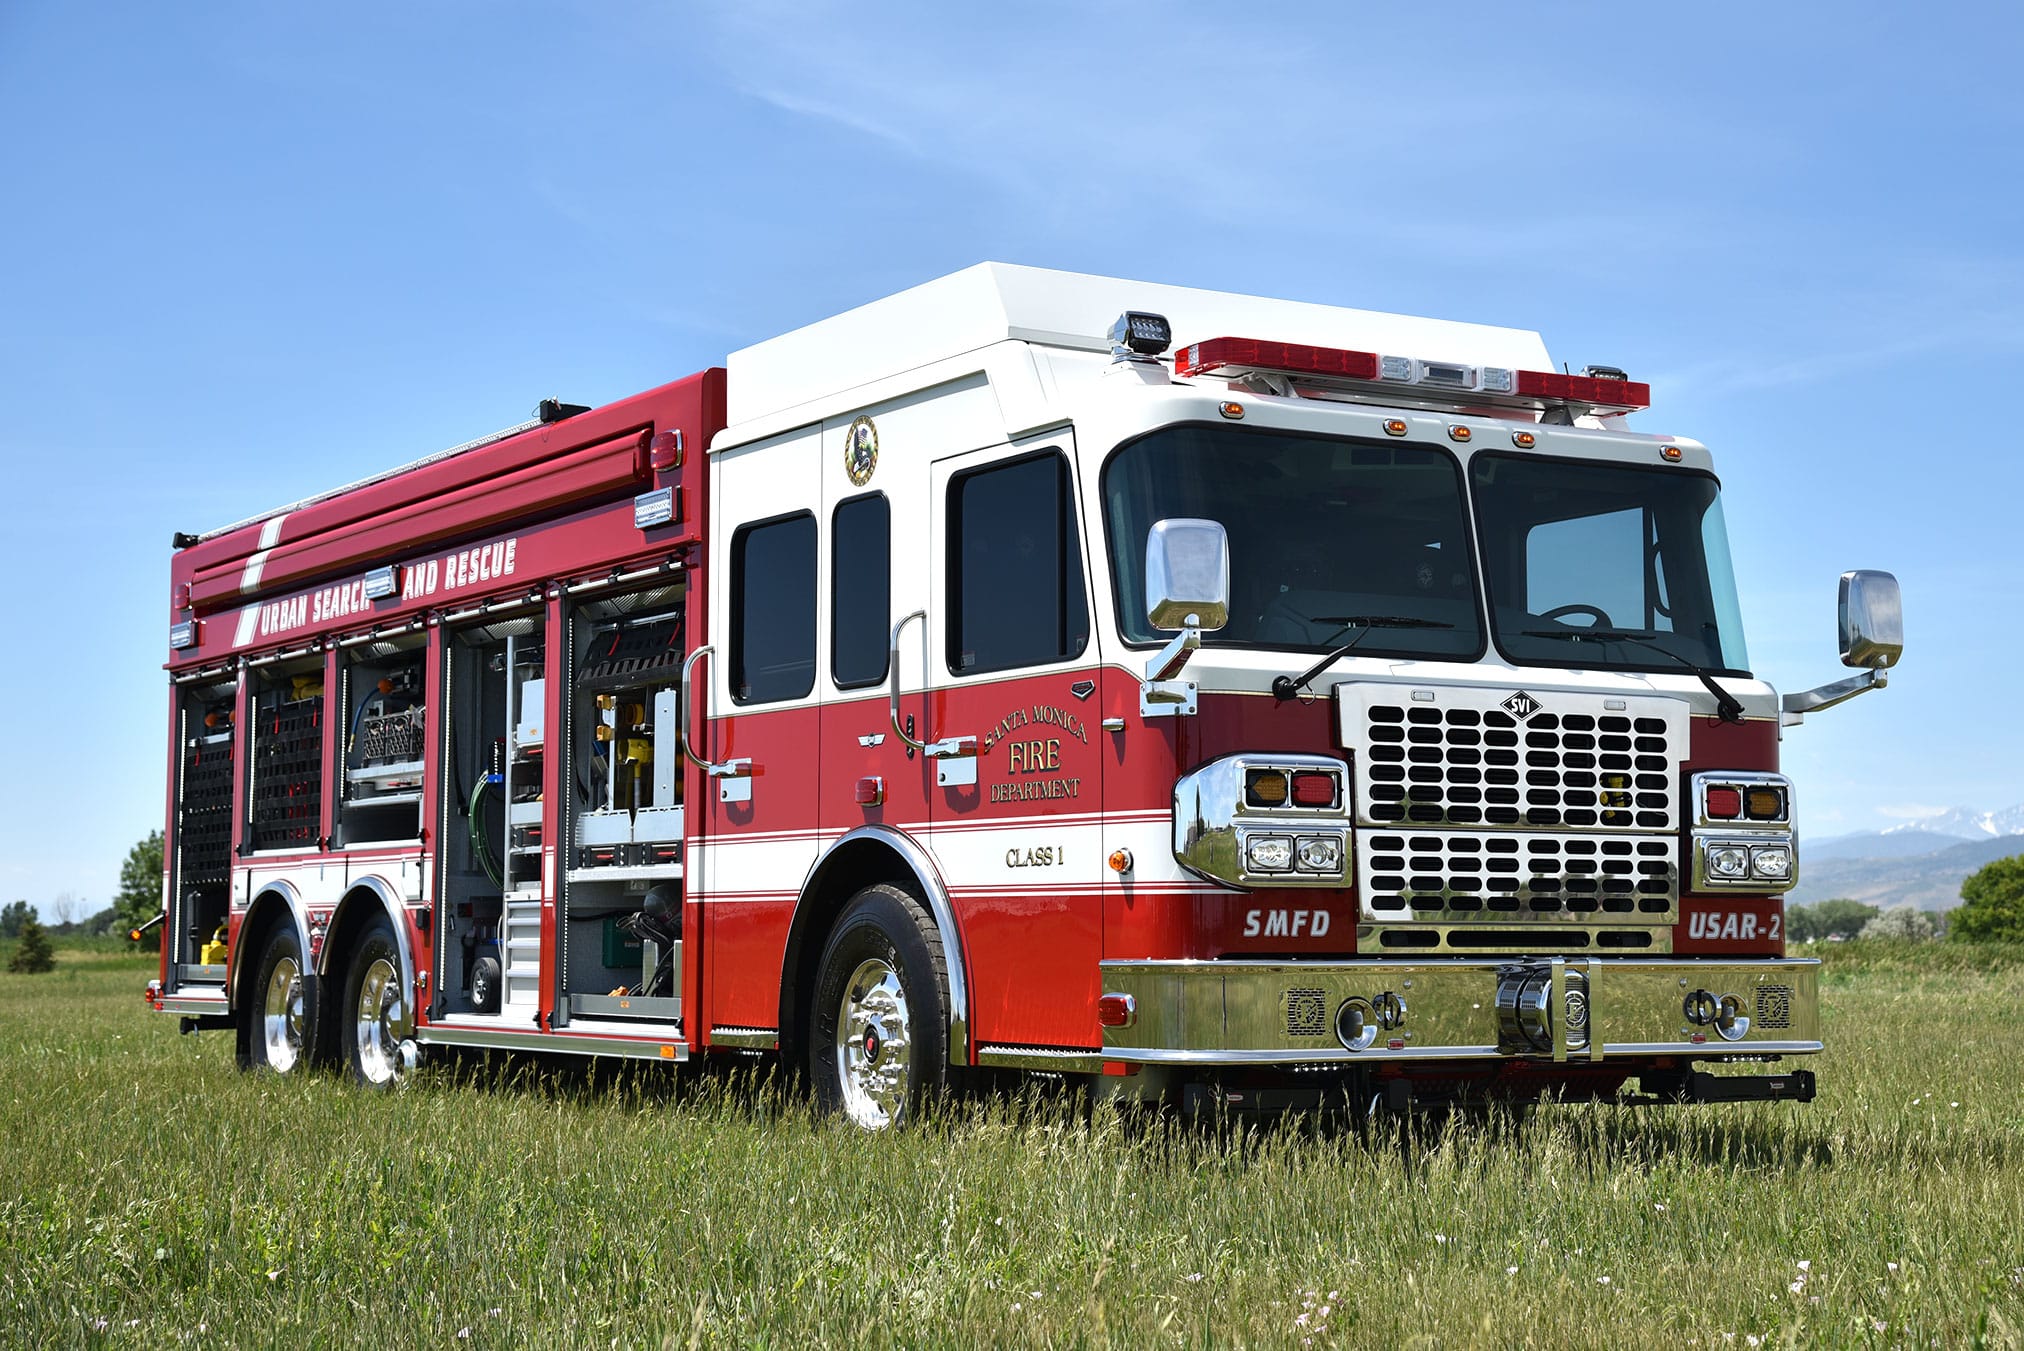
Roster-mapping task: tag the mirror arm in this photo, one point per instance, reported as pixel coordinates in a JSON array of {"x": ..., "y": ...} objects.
[
  {"x": 1168, "y": 661},
  {"x": 1839, "y": 692}
]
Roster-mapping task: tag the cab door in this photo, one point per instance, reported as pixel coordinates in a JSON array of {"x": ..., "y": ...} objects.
[
  {"x": 758, "y": 826},
  {"x": 1014, "y": 738}
]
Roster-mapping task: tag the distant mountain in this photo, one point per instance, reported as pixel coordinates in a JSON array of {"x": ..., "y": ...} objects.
[
  {"x": 1930, "y": 879},
  {"x": 1965, "y": 823},
  {"x": 1875, "y": 844}
]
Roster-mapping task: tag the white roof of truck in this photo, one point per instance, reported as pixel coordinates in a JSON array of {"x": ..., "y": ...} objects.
[{"x": 991, "y": 302}]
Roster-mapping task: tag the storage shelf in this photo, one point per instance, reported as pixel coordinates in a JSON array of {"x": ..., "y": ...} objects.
[
  {"x": 634, "y": 873},
  {"x": 403, "y": 799}
]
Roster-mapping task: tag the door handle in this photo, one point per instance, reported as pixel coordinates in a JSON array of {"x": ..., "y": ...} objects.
[
  {"x": 733, "y": 776},
  {"x": 955, "y": 756},
  {"x": 893, "y": 683}
]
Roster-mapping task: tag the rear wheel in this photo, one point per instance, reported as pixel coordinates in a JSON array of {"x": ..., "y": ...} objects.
[
  {"x": 282, "y": 1023},
  {"x": 878, "y": 1034},
  {"x": 380, "y": 1015}
]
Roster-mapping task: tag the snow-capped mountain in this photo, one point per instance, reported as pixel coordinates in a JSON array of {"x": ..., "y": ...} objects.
[{"x": 1965, "y": 823}]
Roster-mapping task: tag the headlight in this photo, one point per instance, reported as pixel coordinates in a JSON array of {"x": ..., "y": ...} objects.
[
  {"x": 1729, "y": 861},
  {"x": 1320, "y": 853},
  {"x": 1774, "y": 864},
  {"x": 1268, "y": 853}
]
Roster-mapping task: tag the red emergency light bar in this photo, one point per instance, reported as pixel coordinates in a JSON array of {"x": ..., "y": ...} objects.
[
  {"x": 1448, "y": 382},
  {"x": 1291, "y": 358},
  {"x": 1597, "y": 391}
]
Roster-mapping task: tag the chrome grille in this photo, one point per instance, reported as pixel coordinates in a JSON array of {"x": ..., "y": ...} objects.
[
  {"x": 1306, "y": 1013},
  {"x": 1460, "y": 757},
  {"x": 1774, "y": 1007},
  {"x": 1450, "y": 876}
]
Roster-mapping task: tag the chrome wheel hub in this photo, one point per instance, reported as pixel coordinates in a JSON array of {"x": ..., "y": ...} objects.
[
  {"x": 381, "y": 1023},
  {"x": 874, "y": 1040},
  {"x": 281, "y": 1016}
]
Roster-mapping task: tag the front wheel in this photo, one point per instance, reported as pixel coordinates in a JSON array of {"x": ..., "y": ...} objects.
[
  {"x": 282, "y": 1022},
  {"x": 878, "y": 1035},
  {"x": 376, "y": 1001}
]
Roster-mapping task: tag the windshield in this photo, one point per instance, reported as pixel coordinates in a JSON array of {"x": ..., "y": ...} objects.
[
  {"x": 1606, "y": 565},
  {"x": 1329, "y": 539}
]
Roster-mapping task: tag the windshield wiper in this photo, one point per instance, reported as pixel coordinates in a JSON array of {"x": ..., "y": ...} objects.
[
  {"x": 1285, "y": 687},
  {"x": 1726, "y": 706}
]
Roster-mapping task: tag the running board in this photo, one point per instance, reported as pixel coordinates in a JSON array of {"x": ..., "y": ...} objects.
[{"x": 567, "y": 1043}]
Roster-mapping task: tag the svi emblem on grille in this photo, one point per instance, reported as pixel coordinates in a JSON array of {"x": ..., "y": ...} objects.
[{"x": 1521, "y": 705}]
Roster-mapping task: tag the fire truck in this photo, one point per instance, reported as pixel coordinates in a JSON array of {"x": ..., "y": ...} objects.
[{"x": 1224, "y": 699}]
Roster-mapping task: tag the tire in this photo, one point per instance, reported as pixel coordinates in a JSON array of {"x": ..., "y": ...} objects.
[
  {"x": 879, "y": 1020},
  {"x": 378, "y": 1012},
  {"x": 280, "y": 1017},
  {"x": 487, "y": 980}
]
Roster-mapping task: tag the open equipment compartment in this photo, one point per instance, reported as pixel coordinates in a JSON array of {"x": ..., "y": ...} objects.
[
  {"x": 488, "y": 958},
  {"x": 381, "y": 691},
  {"x": 200, "y": 868},
  {"x": 622, "y": 884},
  {"x": 284, "y": 769}
]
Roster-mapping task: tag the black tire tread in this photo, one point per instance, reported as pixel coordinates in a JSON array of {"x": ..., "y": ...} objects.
[{"x": 938, "y": 1076}]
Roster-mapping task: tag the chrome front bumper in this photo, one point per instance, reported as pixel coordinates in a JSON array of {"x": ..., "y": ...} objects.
[{"x": 1578, "y": 1010}]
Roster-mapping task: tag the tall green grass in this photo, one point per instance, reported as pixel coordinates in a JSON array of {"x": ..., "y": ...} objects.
[{"x": 151, "y": 1195}]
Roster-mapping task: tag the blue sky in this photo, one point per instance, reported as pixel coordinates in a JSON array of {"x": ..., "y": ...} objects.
[{"x": 254, "y": 251}]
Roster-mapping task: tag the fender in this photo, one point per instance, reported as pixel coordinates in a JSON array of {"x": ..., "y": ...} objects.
[
  {"x": 278, "y": 893},
  {"x": 929, "y": 880},
  {"x": 363, "y": 895}
]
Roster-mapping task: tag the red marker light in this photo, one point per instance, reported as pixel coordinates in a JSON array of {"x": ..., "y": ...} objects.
[
  {"x": 1725, "y": 804},
  {"x": 666, "y": 451},
  {"x": 1314, "y": 790},
  {"x": 871, "y": 791},
  {"x": 1117, "y": 1010}
]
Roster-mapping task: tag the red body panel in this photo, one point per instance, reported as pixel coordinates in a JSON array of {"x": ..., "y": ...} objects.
[{"x": 541, "y": 472}]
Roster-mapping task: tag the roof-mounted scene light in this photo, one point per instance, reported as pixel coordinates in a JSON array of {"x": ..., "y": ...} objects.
[
  {"x": 1138, "y": 336},
  {"x": 382, "y": 582},
  {"x": 183, "y": 635},
  {"x": 654, "y": 508},
  {"x": 555, "y": 410}
]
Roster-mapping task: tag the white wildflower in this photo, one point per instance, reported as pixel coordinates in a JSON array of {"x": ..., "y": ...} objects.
[
  {"x": 1510, "y": 1271},
  {"x": 1016, "y": 1308},
  {"x": 1193, "y": 1276},
  {"x": 1806, "y": 1265},
  {"x": 1879, "y": 1325},
  {"x": 463, "y": 1334},
  {"x": 1890, "y": 1266},
  {"x": 1602, "y": 1280},
  {"x": 161, "y": 1254},
  {"x": 1440, "y": 1238},
  {"x": 275, "y": 1274}
]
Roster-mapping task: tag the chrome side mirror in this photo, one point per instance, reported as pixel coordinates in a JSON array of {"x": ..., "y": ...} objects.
[
  {"x": 1872, "y": 638},
  {"x": 1187, "y": 575},
  {"x": 1871, "y": 620}
]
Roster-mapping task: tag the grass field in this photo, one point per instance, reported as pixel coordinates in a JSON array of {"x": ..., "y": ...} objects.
[{"x": 150, "y": 1195}]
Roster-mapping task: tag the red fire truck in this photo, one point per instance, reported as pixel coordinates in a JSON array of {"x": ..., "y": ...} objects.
[{"x": 1334, "y": 703}]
